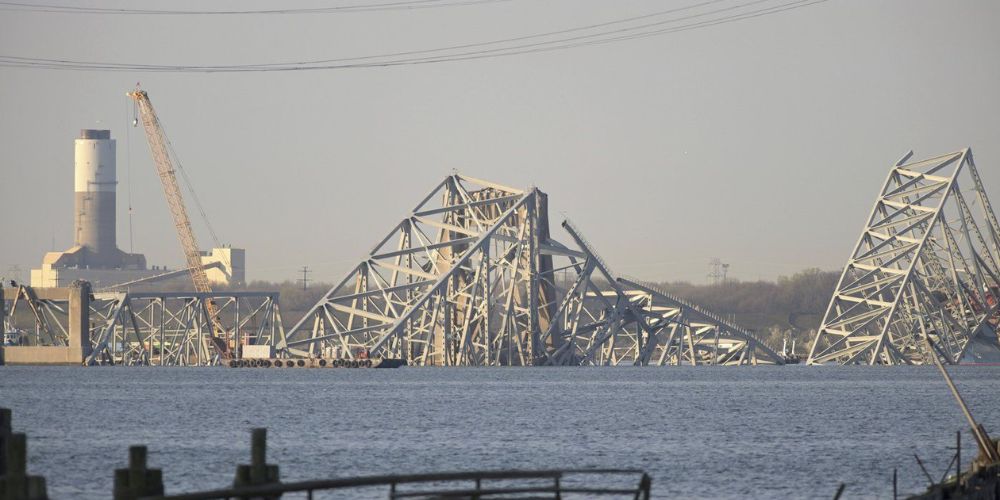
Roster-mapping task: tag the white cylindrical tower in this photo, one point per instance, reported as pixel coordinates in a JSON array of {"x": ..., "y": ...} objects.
[{"x": 96, "y": 182}]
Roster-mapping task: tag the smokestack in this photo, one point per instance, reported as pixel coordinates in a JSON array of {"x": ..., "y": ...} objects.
[{"x": 95, "y": 187}]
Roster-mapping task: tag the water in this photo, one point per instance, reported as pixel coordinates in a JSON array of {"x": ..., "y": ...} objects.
[{"x": 708, "y": 432}]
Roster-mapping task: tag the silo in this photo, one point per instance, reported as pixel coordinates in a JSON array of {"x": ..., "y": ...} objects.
[{"x": 95, "y": 185}]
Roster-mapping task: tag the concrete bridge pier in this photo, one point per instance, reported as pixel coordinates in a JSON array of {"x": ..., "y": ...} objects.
[{"x": 77, "y": 298}]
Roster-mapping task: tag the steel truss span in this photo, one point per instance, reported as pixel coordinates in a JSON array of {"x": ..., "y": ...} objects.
[
  {"x": 154, "y": 328},
  {"x": 174, "y": 329},
  {"x": 925, "y": 267},
  {"x": 472, "y": 277}
]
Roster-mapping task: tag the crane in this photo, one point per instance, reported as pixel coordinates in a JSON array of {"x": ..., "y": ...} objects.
[{"x": 159, "y": 147}]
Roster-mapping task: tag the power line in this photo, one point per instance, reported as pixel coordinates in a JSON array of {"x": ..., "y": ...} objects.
[
  {"x": 604, "y": 37},
  {"x": 525, "y": 37},
  {"x": 402, "y": 5},
  {"x": 579, "y": 41},
  {"x": 452, "y": 47}
]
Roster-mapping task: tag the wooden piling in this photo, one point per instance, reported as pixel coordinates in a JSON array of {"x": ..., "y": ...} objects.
[
  {"x": 258, "y": 472},
  {"x": 16, "y": 484},
  {"x": 895, "y": 485},
  {"x": 840, "y": 491},
  {"x": 138, "y": 480},
  {"x": 6, "y": 428}
]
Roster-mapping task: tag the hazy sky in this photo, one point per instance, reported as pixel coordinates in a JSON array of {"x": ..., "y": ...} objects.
[{"x": 761, "y": 142}]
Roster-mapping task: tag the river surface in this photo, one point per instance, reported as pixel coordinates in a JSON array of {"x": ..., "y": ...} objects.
[{"x": 701, "y": 432}]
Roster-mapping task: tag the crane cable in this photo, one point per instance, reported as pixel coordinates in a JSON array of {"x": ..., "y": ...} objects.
[
  {"x": 179, "y": 167},
  {"x": 197, "y": 202},
  {"x": 128, "y": 169}
]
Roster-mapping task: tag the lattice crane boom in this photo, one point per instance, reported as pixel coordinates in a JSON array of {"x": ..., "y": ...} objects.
[{"x": 159, "y": 148}]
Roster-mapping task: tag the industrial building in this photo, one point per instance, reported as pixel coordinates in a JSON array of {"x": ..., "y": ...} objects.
[
  {"x": 95, "y": 256},
  {"x": 225, "y": 265}
]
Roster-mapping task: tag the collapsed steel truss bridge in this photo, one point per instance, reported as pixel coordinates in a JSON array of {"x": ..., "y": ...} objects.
[
  {"x": 472, "y": 277},
  {"x": 150, "y": 328},
  {"x": 924, "y": 271},
  {"x": 173, "y": 329}
]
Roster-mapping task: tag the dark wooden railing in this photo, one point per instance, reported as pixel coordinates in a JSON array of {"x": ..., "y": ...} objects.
[{"x": 555, "y": 484}]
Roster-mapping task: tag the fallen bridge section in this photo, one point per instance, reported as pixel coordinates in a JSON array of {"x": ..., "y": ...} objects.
[
  {"x": 924, "y": 268},
  {"x": 473, "y": 277},
  {"x": 76, "y": 326}
]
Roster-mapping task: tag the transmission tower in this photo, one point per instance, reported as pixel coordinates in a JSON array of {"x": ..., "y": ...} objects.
[
  {"x": 305, "y": 277},
  {"x": 717, "y": 271}
]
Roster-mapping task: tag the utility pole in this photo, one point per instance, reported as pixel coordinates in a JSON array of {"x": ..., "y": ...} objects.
[{"x": 305, "y": 277}]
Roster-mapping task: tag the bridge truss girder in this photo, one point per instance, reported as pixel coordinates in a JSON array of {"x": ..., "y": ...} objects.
[
  {"x": 172, "y": 328},
  {"x": 925, "y": 267},
  {"x": 38, "y": 321},
  {"x": 472, "y": 277},
  {"x": 148, "y": 328}
]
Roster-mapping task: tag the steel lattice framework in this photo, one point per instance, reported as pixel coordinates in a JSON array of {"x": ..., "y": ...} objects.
[
  {"x": 173, "y": 328},
  {"x": 472, "y": 277},
  {"x": 43, "y": 321},
  {"x": 151, "y": 328},
  {"x": 924, "y": 266}
]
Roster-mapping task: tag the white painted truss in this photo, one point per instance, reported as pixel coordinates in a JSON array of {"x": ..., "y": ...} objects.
[
  {"x": 172, "y": 328},
  {"x": 925, "y": 266},
  {"x": 472, "y": 278},
  {"x": 148, "y": 328}
]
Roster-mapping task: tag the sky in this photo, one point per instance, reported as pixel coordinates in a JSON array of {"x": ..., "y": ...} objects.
[{"x": 761, "y": 142}]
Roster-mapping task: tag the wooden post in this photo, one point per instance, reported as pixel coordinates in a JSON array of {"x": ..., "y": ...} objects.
[
  {"x": 137, "y": 480},
  {"x": 646, "y": 486},
  {"x": 258, "y": 472},
  {"x": 895, "y": 485},
  {"x": 258, "y": 456},
  {"x": 16, "y": 484},
  {"x": 6, "y": 427},
  {"x": 840, "y": 491}
]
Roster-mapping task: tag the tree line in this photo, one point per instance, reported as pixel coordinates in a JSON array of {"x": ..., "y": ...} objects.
[{"x": 790, "y": 307}]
